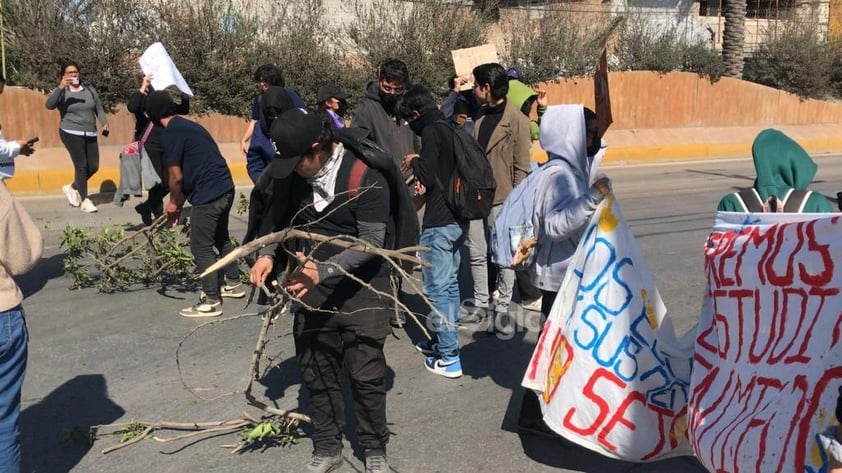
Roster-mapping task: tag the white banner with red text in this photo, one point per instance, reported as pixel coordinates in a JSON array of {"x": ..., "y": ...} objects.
[{"x": 609, "y": 371}]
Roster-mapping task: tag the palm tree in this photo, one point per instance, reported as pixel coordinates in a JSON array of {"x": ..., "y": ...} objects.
[{"x": 733, "y": 38}]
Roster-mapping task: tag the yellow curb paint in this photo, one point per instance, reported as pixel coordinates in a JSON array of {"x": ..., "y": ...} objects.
[{"x": 50, "y": 182}]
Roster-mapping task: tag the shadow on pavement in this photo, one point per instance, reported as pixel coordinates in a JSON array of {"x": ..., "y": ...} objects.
[
  {"x": 48, "y": 268},
  {"x": 78, "y": 403},
  {"x": 505, "y": 361},
  {"x": 560, "y": 453}
]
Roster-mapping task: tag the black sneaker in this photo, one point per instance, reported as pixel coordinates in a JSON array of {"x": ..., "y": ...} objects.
[
  {"x": 473, "y": 315},
  {"x": 320, "y": 463},
  {"x": 145, "y": 212},
  {"x": 376, "y": 463}
]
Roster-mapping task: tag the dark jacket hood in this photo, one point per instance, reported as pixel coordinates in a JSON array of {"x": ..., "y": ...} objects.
[
  {"x": 372, "y": 91},
  {"x": 276, "y": 97},
  {"x": 427, "y": 117}
]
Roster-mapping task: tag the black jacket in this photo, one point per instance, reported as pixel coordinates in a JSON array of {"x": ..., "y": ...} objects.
[
  {"x": 435, "y": 166},
  {"x": 269, "y": 202}
]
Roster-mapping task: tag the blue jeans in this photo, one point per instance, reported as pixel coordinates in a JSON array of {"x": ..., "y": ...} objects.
[
  {"x": 14, "y": 339},
  {"x": 441, "y": 285}
]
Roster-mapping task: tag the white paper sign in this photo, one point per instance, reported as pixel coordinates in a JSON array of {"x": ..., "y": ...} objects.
[{"x": 157, "y": 62}]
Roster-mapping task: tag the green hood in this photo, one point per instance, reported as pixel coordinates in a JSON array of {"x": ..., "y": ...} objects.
[
  {"x": 519, "y": 93},
  {"x": 781, "y": 164}
]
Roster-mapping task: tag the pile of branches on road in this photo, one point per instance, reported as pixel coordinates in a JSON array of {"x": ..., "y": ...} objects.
[{"x": 116, "y": 259}]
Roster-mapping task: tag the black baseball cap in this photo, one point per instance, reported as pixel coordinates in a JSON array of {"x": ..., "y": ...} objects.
[
  {"x": 293, "y": 134},
  {"x": 330, "y": 90}
]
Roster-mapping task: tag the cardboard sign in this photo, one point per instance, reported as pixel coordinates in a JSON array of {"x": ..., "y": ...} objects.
[
  {"x": 465, "y": 60},
  {"x": 602, "y": 97}
]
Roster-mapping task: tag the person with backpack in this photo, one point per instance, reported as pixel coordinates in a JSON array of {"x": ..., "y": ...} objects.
[
  {"x": 783, "y": 170},
  {"x": 322, "y": 185},
  {"x": 566, "y": 195},
  {"x": 80, "y": 108},
  {"x": 503, "y": 132},
  {"x": 523, "y": 97},
  {"x": 443, "y": 232}
]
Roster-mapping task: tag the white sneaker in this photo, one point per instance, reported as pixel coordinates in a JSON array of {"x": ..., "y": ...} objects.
[
  {"x": 88, "y": 206},
  {"x": 204, "y": 308},
  {"x": 72, "y": 195},
  {"x": 534, "y": 305}
]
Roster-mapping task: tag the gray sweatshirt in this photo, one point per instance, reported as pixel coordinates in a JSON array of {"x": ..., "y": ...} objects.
[{"x": 79, "y": 110}]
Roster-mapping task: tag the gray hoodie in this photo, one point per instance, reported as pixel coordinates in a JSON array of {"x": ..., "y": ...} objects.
[{"x": 564, "y": 201}]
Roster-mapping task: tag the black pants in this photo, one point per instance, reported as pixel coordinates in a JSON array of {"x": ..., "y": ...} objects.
[
  {"x": 530, "y": 407},
  {"x": 155, "y": 198},
  {"x": 328, "y": 344},
  {"x": 84, "y": 153},
  {"x": 528, "y": 292},
  {"x": 209, "y": 231}
]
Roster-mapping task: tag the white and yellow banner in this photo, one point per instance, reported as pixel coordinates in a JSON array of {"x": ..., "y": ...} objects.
[
  {"x": 608, "y": 368},
  {"x": 766, "y": 364}
]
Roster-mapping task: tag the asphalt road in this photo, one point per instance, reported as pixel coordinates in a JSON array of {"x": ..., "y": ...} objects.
[{"x": 97, "y": 359}]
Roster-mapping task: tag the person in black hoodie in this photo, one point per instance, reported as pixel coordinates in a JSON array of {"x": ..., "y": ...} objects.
[
  {"x": 376, "y": 113},
  {"x": 340, "y": 324},
  {"x": 153, "y": 206},
  {"x": 441, "y": 231},
  {"x": 274, "y": 101}
]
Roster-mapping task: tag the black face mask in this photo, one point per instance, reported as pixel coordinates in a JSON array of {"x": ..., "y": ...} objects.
[
  {"x": 343, "y": 108},
  {"x": 388, "y": 101},
  {"x": 415, "y": 126}
]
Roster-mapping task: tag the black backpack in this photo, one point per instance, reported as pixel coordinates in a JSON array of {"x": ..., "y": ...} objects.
[
  {"x": 793, "y": 201},
  {"x": 403, "y": 228},
  {"x": 470, "y": 192}
]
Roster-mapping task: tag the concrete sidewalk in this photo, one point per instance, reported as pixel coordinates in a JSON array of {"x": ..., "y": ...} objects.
[{"x": 48, "y": 169}]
